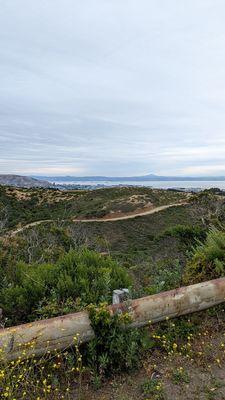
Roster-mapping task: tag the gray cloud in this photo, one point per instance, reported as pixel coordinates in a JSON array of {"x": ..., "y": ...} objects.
[{"x": 121, "y": 87}]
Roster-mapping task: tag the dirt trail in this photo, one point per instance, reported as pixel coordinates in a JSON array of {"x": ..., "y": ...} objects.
[
  {"x": 18, "y": 230},
  {"x": 130, "y": 216},
  {"x": 104, "y": 219}
]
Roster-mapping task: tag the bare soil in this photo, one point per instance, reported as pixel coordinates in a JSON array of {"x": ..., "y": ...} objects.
[{"x": 205, "y": 372}]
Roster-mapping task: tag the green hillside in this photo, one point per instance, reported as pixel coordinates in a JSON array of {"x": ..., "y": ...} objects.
[{"x": 63, "y": 266}]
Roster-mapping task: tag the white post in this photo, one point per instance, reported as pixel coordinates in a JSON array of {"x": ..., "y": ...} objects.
[{"x": 120, "y": 295}]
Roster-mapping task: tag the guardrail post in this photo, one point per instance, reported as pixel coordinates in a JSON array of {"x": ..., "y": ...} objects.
[{"x": 120, "y": 295}]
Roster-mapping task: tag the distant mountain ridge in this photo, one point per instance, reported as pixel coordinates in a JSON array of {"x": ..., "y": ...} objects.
[
  {"x": 23, "y": 181},
  {"x": 147, "y": 178}
]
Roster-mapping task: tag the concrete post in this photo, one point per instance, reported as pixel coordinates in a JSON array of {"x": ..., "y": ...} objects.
[{"x": 120, "y": 295}]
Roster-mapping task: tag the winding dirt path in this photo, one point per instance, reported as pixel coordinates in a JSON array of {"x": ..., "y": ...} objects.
[
  {"x": 130, "y": 216},
  {"x": 23, "y": 228},
  {"x": 104, "y": 219}
]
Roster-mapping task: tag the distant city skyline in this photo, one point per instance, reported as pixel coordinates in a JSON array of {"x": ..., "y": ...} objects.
[{"x": 120, "y": 88}]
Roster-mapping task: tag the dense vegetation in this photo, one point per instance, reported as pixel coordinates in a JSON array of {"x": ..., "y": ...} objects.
[
  {"x": 21, "y": 206},
  {"x": 62, "y": 267},
  {"x": 76, "y": 280},
  {"x": 208, "y": 258},
  {"x": 156, "y": 251}
]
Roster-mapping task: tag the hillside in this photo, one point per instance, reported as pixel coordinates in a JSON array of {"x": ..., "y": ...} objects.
[
  {"x": 21, "y": 206},
  {"x": 63, "y": 264},
  {"x": 23, "y": 181},
  {"x": 148, "y": 245}
]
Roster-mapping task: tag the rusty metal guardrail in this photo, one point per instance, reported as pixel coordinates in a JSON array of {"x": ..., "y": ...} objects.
[{"x": 58, "y": 333}]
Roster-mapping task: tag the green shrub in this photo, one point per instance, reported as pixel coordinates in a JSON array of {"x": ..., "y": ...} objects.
[
  {"x": 114, "y": 348},
  {"x": 180, "y": 376},
  {"x": 27, "y": 286},
  {"x": 208, "y": 259},
  {"x": 153, "y": 387},
  {"x": 82, "y": 276},
  {"x": 48, "y": 308},
  {"x": 89, "y": 276},
  {"x": 187, "y": 234},
  {"x": 166, "y": 277},
  {"x": 171, "y": 335}
]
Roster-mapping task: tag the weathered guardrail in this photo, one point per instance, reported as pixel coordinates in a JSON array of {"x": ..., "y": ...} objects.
[{"x": 59, "y": 332}]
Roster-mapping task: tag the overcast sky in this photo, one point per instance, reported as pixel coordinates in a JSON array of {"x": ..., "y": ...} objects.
[{"x": 112, "y": 87}]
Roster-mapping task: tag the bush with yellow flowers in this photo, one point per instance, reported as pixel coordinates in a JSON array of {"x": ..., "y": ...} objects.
[{"x": 39, "y": 378}]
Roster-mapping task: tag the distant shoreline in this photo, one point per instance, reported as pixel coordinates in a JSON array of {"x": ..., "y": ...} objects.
[
  {"x": 154, "y": 181},
  {"x": 194, "y": 186}
]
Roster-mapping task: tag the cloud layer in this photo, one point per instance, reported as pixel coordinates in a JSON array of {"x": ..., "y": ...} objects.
[{"x": 115, "y": 88}]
